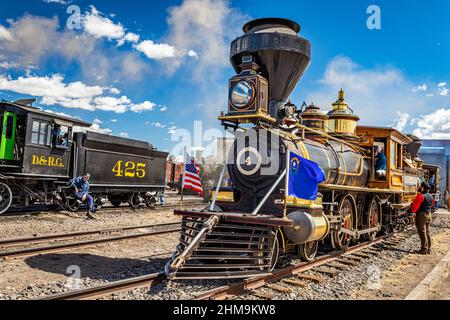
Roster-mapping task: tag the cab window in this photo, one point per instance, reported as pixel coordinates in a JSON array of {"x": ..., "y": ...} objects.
[
  {"x": 60, "y": 136},
  {"x": 40, "y": 133},
  {"x": 393, "y": 155}
]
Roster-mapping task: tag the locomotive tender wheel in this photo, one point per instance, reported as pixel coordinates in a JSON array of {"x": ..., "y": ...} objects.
[
  {"x": 134, "y": 200},
  {"x": 116, "y": 202},
  {"x": 5, "y": 197},
  {"x": 373, "y": 216},
  {"x": 307, "y": 251},
  {"x": 72, "y": 204},
  {"x": 346, "y": 210}
]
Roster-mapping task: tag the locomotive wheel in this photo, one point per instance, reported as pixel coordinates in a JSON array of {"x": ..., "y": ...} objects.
[
  {"x": 372, "y": 219},
  {"x": 150, "y": 202},
  {"x": 5, "y": 197},
  {"x": 307, "y": 251},
  {"x": 134, "y": 200},
  {"x": 115, "y": 202},
  {"x": 346, "y": 209},
  {"x": 72, "y": 204}
]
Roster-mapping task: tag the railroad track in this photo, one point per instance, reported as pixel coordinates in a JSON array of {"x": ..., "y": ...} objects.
[
  {"x": 109, "y": 288},
  {"x": 287, "y": 276},
  {"x": 282, "y": 280},
  {"x": 20, "y": 213},
  {"x": 27, "y": 252}
]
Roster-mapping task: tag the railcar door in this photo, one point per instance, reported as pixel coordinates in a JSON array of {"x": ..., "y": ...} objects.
[{"x": 8, "y": 136}]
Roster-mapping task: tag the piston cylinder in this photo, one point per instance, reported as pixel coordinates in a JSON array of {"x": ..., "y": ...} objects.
[{"x": 307, "y": 227}]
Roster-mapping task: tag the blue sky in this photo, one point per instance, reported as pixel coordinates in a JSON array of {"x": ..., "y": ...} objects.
[{"x": 143, "y": 68}]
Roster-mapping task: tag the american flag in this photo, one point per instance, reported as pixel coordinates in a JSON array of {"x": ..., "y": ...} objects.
[{"x": 191, "y": 177}]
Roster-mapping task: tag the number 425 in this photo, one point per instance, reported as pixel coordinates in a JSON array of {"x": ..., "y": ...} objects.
[{"x": 129, "y": 169}]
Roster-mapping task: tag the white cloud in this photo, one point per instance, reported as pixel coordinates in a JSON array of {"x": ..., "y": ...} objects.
[
  {"x": 373, "y": 93},
  {"x": 401, "y": 121},
  {"x": 54, "y": 91},
  {"x": 118, "y": 105},
  {"x": 158, "y": 125},
  {"x": 5, "y": 34},
  {"x": 38, "y": 39},
  {"x": 145, "y": 106},
  {"x": 57, "y": 1},
  {"x": 8, "y": 65},
  {"x": 204, "y": 29},
  {"x": 193, "y": 54},
  {"x": 94, "y": 128},
  {"x": 163, "y": 109},
  {"x": 442, "y": 84},
  {"x": 435, "y": 125},
  {"x": 156, "y": 50},
  {"x": 130, "y": 37},
  {"x": 123, "y": 134},
  {"x": 97, "y": 121},
  {"x": 113, "y": 120},
  {"x": 101, "y": 27},
  {"x": 443, "y": 91},
  {"x": 423, "y": 87}
]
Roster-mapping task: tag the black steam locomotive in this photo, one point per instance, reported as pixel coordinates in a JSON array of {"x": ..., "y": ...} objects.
[
  {"x": 250, "y": 224},
  {"x": 40, "y": 152}
]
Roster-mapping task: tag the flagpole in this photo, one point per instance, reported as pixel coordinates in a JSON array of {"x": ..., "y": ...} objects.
[
  {"x": 288, "y": 156},
  {"x": 182, "y": 180}
]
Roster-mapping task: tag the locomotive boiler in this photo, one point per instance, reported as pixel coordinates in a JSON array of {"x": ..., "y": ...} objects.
[{"x": 252, "y": 222}]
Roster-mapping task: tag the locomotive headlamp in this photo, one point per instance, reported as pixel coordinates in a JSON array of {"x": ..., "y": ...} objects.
[{"x": 242, "y": 94}]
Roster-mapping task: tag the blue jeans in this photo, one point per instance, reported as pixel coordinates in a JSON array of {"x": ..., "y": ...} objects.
[{"x": 89, "y": 199}]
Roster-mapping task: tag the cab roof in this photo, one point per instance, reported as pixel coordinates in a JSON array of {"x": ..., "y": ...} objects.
[{"x": 26, "y": 108}]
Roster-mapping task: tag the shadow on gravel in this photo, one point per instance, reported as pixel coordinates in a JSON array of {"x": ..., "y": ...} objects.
[{"x": 94, "y": 266}]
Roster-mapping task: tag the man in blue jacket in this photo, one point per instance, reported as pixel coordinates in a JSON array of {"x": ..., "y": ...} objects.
[{"x": 81, "y": 185}]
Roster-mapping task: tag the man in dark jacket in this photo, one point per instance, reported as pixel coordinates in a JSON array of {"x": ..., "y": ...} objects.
[
  {"x": 81, "y": 185},
  {"x": 422, "y": 208}
]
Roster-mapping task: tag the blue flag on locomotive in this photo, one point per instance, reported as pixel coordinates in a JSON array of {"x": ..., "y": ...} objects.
[{"x": 304, "y": 177}]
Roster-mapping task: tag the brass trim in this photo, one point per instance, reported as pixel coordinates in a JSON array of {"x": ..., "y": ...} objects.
[
  {"x": 248, "y": 116},
  {"x": 364, "y": 189}
]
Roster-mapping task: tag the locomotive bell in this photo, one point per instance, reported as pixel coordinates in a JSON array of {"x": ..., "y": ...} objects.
[
  {"x": 282, "y": 57},
  {"x": 341, "y": 120}
]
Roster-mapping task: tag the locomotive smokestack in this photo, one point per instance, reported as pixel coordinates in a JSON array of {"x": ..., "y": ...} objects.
[{"x": 280, "y": 53}]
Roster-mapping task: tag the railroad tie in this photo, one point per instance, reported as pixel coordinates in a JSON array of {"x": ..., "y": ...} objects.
[
  {"x": 277, "y": 287},
  {"x": 347, "y": 262},
  {"x": 331, "y": 273},
  {"x": 262, "y": 295},
  {"x": 354, "y": 258},
  {"x": 374, "y": 250},
  {"x": 294, "y": 282},
  {"x": 336, "y": 266},
  {"x": 362, "y": 255},
  {"x": 314, "y": 279}
]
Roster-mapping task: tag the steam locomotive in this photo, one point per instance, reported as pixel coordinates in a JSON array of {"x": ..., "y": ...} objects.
[
  {"x": 249, "y": 225},
  {"x": 40, "y": 153}
]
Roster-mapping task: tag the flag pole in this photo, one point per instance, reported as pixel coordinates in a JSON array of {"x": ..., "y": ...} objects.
[
  {"x": 182, "y": 180},
  {"x": 288, "y": 156}
]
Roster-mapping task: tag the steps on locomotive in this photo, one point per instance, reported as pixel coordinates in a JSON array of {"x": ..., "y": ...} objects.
[{"x": 228, "y": 251}]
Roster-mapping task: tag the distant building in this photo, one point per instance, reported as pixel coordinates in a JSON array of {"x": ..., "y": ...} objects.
[{"x": 437, "y": 152}]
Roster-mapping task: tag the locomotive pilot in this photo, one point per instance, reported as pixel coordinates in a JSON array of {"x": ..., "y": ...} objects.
[
  {"x": 421, "y": 206},
  {"x": 81, "y": 185}
]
